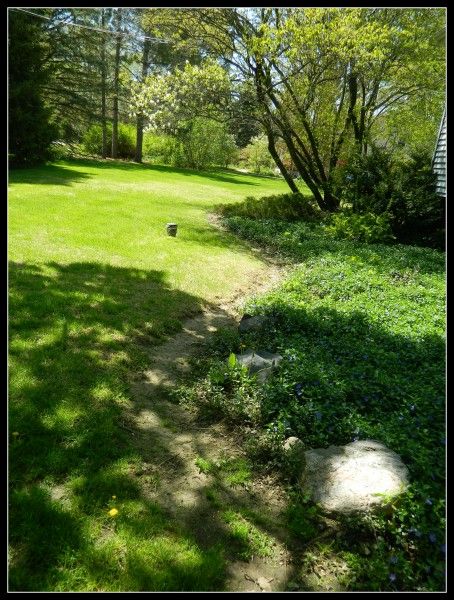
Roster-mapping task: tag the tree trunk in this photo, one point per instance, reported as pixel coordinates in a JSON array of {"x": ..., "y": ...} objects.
[
  {"x": 140, "y": 118},
  {"x": 285, "y": 174},
  {"x": 103, "y": 87},
  {"x": 116, "y": 88},
  {"x": 332, "y": 203}
]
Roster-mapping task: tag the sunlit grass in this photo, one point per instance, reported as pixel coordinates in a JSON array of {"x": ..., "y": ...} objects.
[{"x": 93, "y": 276}]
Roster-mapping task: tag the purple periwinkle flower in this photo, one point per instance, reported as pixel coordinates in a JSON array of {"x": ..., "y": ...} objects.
[
  {"x": 365, "y": 356},
  {"x": 429, "y": 501},
  {"x": 299, "y": 389},
  {"x": 392, "y": 577},
  {"x": 393, "y": 560},
  {"x": 432, "y": 538},
  {"x": 412, "y": 408}
]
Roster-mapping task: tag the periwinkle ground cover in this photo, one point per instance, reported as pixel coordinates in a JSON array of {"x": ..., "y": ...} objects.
[{"x": 361, "y": 328}]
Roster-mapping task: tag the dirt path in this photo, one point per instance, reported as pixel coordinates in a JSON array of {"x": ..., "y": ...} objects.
[{"x": 170, "y": 441}]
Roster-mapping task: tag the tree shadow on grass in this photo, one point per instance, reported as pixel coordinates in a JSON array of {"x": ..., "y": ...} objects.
[
  {"x": 49, "y": 174},
  {"x": 75, "y": 335},
  {"x": 222, "y": 175},
  {"x": 74, "y": 343}
]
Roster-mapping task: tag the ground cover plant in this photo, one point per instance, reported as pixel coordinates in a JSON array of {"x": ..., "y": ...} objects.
[
  {"x": 93, "y": 280},
  {"x": 361, "y": 328}
]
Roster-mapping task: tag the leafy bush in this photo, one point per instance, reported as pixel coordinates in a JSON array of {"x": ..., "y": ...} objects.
[
  {"x": 378, "y": 183},
  {"x": 206, "y": 143},
  {"x": 287, "y": 207},
  {"x": 256, "y": 157},
  {"x": 60, "y": 150},
  {"x": 162, "y": 148},
  {"x": 92, "y": 140},
  {"x": 364, "y": 227},
  {"x": 199, "y": 144},
  {"x": 418, "y": 211}
]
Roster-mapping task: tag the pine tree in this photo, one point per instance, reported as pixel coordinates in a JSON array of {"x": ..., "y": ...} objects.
[{"x": 30, "y": 130}]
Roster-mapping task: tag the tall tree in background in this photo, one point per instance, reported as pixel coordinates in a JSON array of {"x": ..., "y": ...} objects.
[
  {"x": 103, "y": 84},
  {"x": 116, "y": 83},
  {"x": 140, "y": 121},
  {"x": 321, "y": 76},
  {"x": 30, "y": 130}
]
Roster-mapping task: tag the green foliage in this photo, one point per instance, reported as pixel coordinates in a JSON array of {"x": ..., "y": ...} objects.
[
  {"x": 418, "y": 211},
  {"x": 255, "y": 157},
  {"x": 302, "y": 517},
  {"x": 172, "y": 98},
  {"x": 365, "y": 227},
  {"x": 204, "y": 465},
  {"x": 403, "y": 190},
  {"x": 92, "y": 140},
  {"x": 161, "y": 148},
  {"x": 286, "y": 207},
  {"x": 205, "y": 143},
  {"x": 30, "y": 129},
  {"x": 199, "y": 143},
  {"x": 361, "y": 328}
]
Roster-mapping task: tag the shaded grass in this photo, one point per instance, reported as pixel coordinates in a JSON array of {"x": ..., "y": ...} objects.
[{"x": 92, "y": 279}]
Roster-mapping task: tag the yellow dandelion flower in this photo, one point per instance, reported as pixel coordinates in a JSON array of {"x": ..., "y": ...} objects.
[
  {"x": 114, "y": 497},
  {"x": 113, "y": 512}
]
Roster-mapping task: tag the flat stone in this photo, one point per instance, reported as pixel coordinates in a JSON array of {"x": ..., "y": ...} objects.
[
  {"x": 260, "y": 363},
  {"x": 292, "y": 444},
  {"x": 249, "y": 323},
  {"x": 348, "y": 478}
]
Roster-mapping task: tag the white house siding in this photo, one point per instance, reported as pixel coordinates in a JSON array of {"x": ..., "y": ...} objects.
[{"x": 439, "y": 159}]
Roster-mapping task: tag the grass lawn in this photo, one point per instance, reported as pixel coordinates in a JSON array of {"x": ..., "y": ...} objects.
[{"x": 92, "y": 276}]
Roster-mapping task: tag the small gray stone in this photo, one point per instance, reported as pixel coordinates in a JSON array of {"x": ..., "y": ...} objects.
[
  {"x": 348, "y": 478},
  {"x": 260, "y": 363},
  {"x": 292, "y": 443},
  {"x": 249, "y": 323}
]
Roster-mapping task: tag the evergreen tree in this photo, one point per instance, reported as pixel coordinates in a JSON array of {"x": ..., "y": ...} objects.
[{"x": 30, "y": 130}]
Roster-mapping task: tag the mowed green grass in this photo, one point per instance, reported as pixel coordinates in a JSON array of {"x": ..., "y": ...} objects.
[{"x": 93, "y": 277}]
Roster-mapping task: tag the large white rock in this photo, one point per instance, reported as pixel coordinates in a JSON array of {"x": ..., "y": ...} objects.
[{"x": 348, "y": 478}]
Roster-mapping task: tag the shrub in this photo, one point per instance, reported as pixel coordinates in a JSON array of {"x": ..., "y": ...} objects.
[
  {"x": 286, "y": 207},
  {"x": 378, "y": 183},
  {"x": 162, "y": 148},
  {"x": 418, "y": 211},
  {"x": 256, "y": 157},
  {"x": 206, "y": 143},
  {"x": 367, "y": 227},
  {"x": 92, "y": 140}
]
